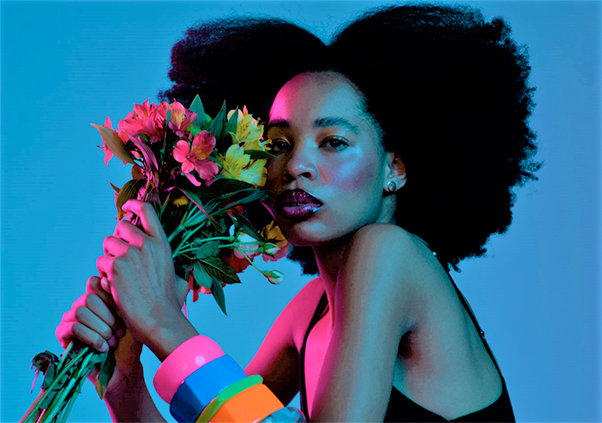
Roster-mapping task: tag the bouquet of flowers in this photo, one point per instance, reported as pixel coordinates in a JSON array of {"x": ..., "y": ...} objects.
[{"x": 199, "y": 174}]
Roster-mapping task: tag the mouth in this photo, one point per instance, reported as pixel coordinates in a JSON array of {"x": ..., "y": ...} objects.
[{"x": 297, "y": 204}]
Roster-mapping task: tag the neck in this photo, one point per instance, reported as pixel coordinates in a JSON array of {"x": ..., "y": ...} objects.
[{"x": 329, "y": 258}]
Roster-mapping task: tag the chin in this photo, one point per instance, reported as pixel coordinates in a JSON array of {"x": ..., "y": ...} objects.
[{"x": 312, "y": 234}]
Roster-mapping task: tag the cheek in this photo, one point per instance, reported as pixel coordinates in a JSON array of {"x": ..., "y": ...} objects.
[
  {"x": 353, "y": 176},
  {"x": 273, "y": 167}
]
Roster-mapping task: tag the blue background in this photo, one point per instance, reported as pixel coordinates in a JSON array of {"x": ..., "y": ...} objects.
[{"x": 64, "y": 65}]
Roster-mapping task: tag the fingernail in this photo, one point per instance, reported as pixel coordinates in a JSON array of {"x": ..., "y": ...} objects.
[
  {"x": 112, "y": 341},
  {"x": 104, "y": 347}
]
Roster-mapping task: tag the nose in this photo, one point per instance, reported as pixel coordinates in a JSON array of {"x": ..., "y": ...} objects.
[{"x": 301, "y": 163}]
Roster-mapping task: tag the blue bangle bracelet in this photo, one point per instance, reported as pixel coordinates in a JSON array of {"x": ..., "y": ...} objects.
[{"x": 199, "y": 389}]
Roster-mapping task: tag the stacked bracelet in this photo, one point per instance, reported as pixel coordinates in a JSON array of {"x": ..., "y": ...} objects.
[
  {"x": 182, "y": 362},
  {"x": 202, "y": 384}
]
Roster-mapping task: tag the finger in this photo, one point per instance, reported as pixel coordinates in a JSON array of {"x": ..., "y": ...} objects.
[
  {"x": 130, "y": 233},
  {"x": 104, "y": 264},
  {"x": 89, "y": 337},
  {"x": 116, "y": 246},
  {"x": 148, "y": 217},
  {"x": 100, "y": 309},
  {"x": 94, "y": 286},
  {"x": 87, "y": 317},
  {"x": 105, "y": 285},
  {"x": 96, "y": 333}
]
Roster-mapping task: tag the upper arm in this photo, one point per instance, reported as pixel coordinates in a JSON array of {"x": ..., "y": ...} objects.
[
  {"x": 277, "y": 359},
  {"x": 372, "y": 311}
]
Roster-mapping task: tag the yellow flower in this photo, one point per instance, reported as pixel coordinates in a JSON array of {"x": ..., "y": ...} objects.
[
  {"x": 238, "y": 165},
  {"x": 248, "y": 131},
  {"x": 180, "y": 201}
]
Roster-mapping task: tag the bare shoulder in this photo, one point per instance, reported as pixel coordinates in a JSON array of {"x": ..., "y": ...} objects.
[{"x": 392, "y": 250}]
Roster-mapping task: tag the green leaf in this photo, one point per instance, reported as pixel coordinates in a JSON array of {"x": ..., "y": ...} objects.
[
  {"x": 217, "y": 128},
  {"x": 225, "y": 185},
  {"x": 98, "y": 357},
  {"x": 114, "y": 143},
  {"x": 247, "y": 226},
  {"x": 218, "y": 293},
  {"x": 220, "y": 270},
  {"x": 104, "y": 375},
  {"x": 168, "y": 116},
  {"x": 253, "y": 196},
  {"x": 208, "y": 123},
  {"x": 115, "y": 188},
  {"x": 232, "y": 122},
  {"x": 259, "y": 154},
  {"x": 197, "y": 201},
  {"x": 127, "y": 192},
  {"x": 194, "y": 130},
  {"x": 197, "y": 107},
  {"x": 201, "y": 276},
  {"x": 207, "y": 249}
]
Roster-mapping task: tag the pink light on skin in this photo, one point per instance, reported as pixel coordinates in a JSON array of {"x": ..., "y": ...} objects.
[{"x": 327, "y": 146}]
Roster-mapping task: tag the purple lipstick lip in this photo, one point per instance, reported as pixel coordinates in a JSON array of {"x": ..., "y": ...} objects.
[{"x": 297, "y": 204}]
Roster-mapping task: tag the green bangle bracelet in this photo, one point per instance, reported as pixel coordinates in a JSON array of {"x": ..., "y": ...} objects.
[{"x": 228, "y": 393}]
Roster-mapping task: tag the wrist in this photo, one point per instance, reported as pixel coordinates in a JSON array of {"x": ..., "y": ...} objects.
[
  {"x": 125, "y": 381},
  {"x": 164, "y": 338}
]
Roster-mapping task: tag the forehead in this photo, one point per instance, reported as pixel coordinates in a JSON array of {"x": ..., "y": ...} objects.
[{"x": 316, "y": 95}]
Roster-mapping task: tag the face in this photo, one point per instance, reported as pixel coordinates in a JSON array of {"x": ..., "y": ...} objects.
[{"x": 330, "y": 167}]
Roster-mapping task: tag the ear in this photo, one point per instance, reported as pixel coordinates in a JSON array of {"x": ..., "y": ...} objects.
[{"x": 395, "y": 171}]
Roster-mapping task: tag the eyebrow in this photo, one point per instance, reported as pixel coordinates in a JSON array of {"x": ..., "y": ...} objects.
[{"x": 318, "y": 123}]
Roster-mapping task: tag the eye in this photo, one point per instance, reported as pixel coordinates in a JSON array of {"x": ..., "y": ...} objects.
[
  {"x": 279, "y": 145},
  {"x": 335, "y": 143}
]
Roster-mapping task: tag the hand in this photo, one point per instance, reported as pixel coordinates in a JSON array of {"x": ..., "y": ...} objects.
[
  {"x": 93, "y": 319},
  {"x": 137, "y": 269}
]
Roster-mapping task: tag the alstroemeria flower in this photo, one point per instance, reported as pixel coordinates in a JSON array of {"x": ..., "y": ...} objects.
[
  {"x": 146, "y": 119},
  {"x": 238, "y": 165},
  {"x": 274, "y": 234},
  {"x": 195, "y": 158},
  {"x": 181, "y": 118},
  {"x": 248, "y": 131}
]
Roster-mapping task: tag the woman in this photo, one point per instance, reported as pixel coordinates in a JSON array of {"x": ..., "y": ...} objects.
[{"x": 410, "y": 127}]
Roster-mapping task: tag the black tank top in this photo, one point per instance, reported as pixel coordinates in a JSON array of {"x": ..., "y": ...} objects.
[{"x": 403, "y": 409}]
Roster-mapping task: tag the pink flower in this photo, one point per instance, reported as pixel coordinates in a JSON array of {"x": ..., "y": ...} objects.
[
  {"x": 181, "y": 118},
  {"x": 145, "y": 119},
  {"x": 195, "y": 158}
]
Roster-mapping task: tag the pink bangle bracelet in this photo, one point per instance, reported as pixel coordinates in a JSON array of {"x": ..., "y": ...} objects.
[{"x": 182, "y": 362}]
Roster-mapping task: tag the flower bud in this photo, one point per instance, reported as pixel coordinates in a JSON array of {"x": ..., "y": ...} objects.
[
  {"x": 270, "y": 248},
  {"x": 275, "y": 276}
]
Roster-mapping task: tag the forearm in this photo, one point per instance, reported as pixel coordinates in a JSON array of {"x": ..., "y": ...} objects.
[{"x": 131, "y": 401}]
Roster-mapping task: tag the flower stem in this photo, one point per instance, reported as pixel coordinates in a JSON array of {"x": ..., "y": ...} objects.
[
  {"x": 186, "y": 237},
  {"x": 175, "y": 233},
  {"x": 60, "y": 392},
  {"x": 251, "y": 261}
]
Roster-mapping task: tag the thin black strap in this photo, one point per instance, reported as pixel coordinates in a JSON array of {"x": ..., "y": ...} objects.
[
  {"x": 315, "y": 319},
  {"x": 476, "y": 324}
]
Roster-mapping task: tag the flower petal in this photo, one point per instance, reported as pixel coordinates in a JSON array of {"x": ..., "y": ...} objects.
[{"x": 181, "y": 151}]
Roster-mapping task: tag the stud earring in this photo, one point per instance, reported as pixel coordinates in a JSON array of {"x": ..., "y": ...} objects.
[{"x": 391, "y": 186}]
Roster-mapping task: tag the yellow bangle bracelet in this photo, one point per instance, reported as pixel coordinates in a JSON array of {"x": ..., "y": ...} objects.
[{"x": 225, "y": 395}]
